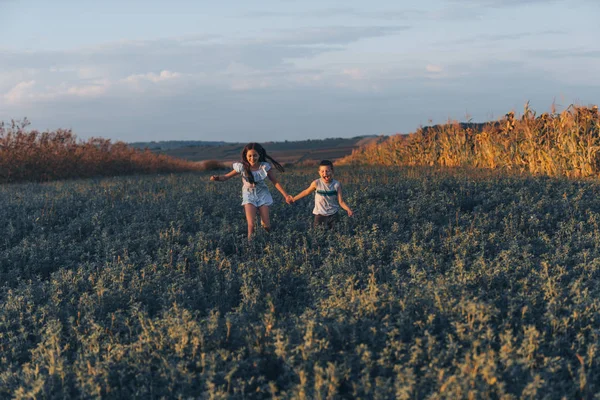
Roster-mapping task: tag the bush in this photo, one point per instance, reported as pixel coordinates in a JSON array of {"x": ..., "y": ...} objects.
[
  {"x": 212, "y": 165},
  {"x": 45, "y": 156}
]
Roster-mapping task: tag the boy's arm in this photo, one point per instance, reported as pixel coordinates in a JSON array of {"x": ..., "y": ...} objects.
[
  {"x": 220, "y": 178},
  {"x": 273, "y": 179},
  {"x": 306, "y": 192},
  {"x": 342, "y": 202}
]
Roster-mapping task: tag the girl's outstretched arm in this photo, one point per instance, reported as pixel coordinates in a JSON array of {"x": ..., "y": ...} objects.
[
  {"x": 306, "y": 192},
  {"x": 343, "y": 203},
  {"x": 273, "y": 179},
  {"x": 225, "y": 177}
]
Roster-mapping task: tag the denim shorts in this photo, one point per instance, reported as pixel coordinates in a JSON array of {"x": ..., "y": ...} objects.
[{"x": 257, "y": 196}]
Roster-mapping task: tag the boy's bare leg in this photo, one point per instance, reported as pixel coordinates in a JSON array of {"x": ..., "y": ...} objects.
[
  {"x": 250, "y": 210},
  {"x": 264, "y": 217}
]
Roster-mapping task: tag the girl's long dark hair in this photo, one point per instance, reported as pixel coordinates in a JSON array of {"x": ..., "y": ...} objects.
[{"x": 262, "y": 157}]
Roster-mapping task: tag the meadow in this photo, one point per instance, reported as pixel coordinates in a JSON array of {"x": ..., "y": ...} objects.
[{"x": 448, "y": 283}]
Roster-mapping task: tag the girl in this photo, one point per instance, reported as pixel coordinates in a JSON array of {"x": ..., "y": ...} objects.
[{"x": 254, "y": 169}]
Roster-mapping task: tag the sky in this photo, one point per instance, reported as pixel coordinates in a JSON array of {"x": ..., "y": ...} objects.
[{"x": 290, "y": 70}]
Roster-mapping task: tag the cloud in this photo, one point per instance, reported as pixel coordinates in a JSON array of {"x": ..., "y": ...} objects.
[
  {"x": 354, "y": 73},
  {"x": 570, "y": 65},
  {"x": 436, "y": 69},
  {"x": 31, "y": 91},
  {"x": 233, "y": 63},
  {"x": 91, "y": 90},
  {"x": 293, "y": 112},
  {"x": 311, "y": 82},
  {"x": 244, "y": 85},
  {"x": 478, "y": 9},
  {"x": 337, "y": 35},
  {"x": 500, "y": 3},
  {"x": 391, "y": 14},
  {"x": 497, "y": 4},
  {"x": 501, "y": 37},
  {"x": 21, "y": 91},
  {"x": 564, "y": 53},
  {"x": 191, "y": 54},
  {"x": 80, "y": 71},
  {"x": 152, "y": 77},
  {"x": 469, "y": 11}
]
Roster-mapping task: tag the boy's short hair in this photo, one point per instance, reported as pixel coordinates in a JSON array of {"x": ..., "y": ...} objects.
[{"x": 326, "y": 163}]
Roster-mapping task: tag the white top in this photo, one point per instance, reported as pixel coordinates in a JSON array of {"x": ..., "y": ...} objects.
[
  {"x": 259, "y": 175},
  {"x": 326, "y": 197}
]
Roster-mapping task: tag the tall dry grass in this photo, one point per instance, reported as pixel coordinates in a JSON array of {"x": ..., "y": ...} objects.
[
  {"x": 30, "y": 155},
  {"x": 565, "y": 143}
]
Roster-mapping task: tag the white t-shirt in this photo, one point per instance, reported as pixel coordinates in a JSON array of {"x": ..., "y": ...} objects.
[{"x": 326, "y": 198}]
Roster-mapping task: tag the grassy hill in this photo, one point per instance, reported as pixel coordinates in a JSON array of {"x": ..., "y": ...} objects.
[{"x": 286, "y": 152}]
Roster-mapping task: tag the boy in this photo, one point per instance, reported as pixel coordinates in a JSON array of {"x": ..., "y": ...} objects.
[{"x": 328, "y": 196}]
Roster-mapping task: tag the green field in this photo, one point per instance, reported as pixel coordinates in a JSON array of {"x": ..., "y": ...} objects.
[{"x": 446, "y": 284}]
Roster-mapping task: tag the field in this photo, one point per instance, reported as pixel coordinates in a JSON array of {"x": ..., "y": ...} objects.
[
  {"x": 286, "y": 152},
  {"x": 448, "y": 283},
  {"x": 552, "y": 144}
]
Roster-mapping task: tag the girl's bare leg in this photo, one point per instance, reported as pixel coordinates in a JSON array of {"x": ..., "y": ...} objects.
[
  {"x": 250, "y": 218},
  {"x": 264, "y": 217}
]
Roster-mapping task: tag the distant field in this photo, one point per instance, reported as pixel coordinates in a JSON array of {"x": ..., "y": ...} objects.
[
  {"x": 555, "y": 144},
  {"x": 447, "y": 284},
  {"x": 292, "y": 152}
]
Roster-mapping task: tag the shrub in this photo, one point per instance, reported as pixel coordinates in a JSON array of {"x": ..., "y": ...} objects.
[
  {"x": 212, "y": 165},
  {"x": 45, "y": 156}
]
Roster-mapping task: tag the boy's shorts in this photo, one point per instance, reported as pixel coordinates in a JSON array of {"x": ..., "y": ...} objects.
[{"x": 328, "y": 221}]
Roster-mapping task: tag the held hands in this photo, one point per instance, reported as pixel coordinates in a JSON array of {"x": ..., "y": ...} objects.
[{"x": 289, "y": 199}]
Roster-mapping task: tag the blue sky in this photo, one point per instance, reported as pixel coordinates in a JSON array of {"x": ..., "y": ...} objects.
[{"x": 289, "y": 70}]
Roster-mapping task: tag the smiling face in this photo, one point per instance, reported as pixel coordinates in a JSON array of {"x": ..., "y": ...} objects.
[
  {"x": 252, "y": 157},
  {"x": 326, "y": 173}
]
